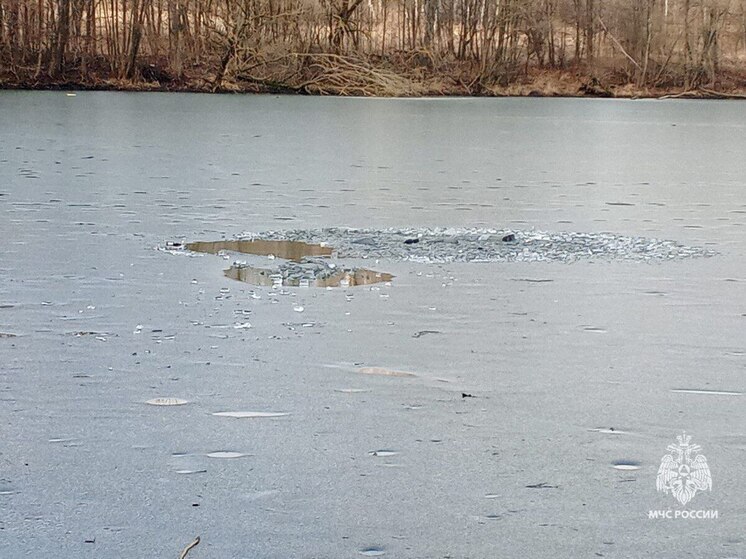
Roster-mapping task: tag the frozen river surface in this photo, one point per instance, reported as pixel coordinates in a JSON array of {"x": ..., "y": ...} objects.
[{"x": 503, "y": 409}]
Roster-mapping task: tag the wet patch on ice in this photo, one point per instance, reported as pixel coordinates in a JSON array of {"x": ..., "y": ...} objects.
[
  {"x": 609, "y": 431},
  {"x": 7, "y": 488},
  {"x": 383, "y": 453},
  {"x": 625, "y": 465},
  {"x": 706, "y": 391},
  {"x": 382, "y": 371},
  {"x": 226, "y": 454},
  {"x": 167, "y": 402},
  {"x": 542, "y": 485},
  {"x": 249, "y": 414},
  {"x": 372, "y": 551},
  {"x": 62, "y": 440},
  {"x": 82, "y": 333}
]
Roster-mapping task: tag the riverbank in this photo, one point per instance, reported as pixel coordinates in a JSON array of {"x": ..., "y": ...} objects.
[{"x": 371, "y": 81}]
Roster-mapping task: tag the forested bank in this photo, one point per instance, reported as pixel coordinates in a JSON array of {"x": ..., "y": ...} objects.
[{"x": 378, "y": 47}]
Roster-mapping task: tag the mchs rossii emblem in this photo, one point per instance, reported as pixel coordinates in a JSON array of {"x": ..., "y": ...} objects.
[{"x": 684, "y": 471}]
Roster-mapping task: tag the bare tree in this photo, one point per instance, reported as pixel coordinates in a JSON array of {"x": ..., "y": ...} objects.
[{"x": 475, "y": 43}]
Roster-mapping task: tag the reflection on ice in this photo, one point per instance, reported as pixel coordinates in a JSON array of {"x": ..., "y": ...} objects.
[
  {"x": 275, "y": 278},
  {"x": 306, "y": 266}
]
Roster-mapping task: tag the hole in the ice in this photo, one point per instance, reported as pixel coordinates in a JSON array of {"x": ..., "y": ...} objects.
[
  {"x": 307, "y": 264},
  {"x": 289, "y": 250},
  {"x": 302, "y": 277}
]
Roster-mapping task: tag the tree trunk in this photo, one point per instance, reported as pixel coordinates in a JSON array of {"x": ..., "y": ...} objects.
[
  {"x": 431, "y": 13},
  {"x": 176, "y": 47},
  {"x": 12, "y": 34},
  {"x": 687, "y": 48},
  {"x": 589, "y": 15},
  {"x": 136, "y": 21},
  {"x": 62, "y": 34}
]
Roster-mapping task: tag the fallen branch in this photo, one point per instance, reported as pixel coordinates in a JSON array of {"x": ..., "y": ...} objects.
[
  {"x": 342, "y": 75},
  {"x": 189, "y": 547},
  {"x": 271, "y": 85},
  {"x": 618, "y": 44},
  {"x": 703, "y": 93},
  {"x": 689, "y": 93},
  {"x": 721, "y": 95}
]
